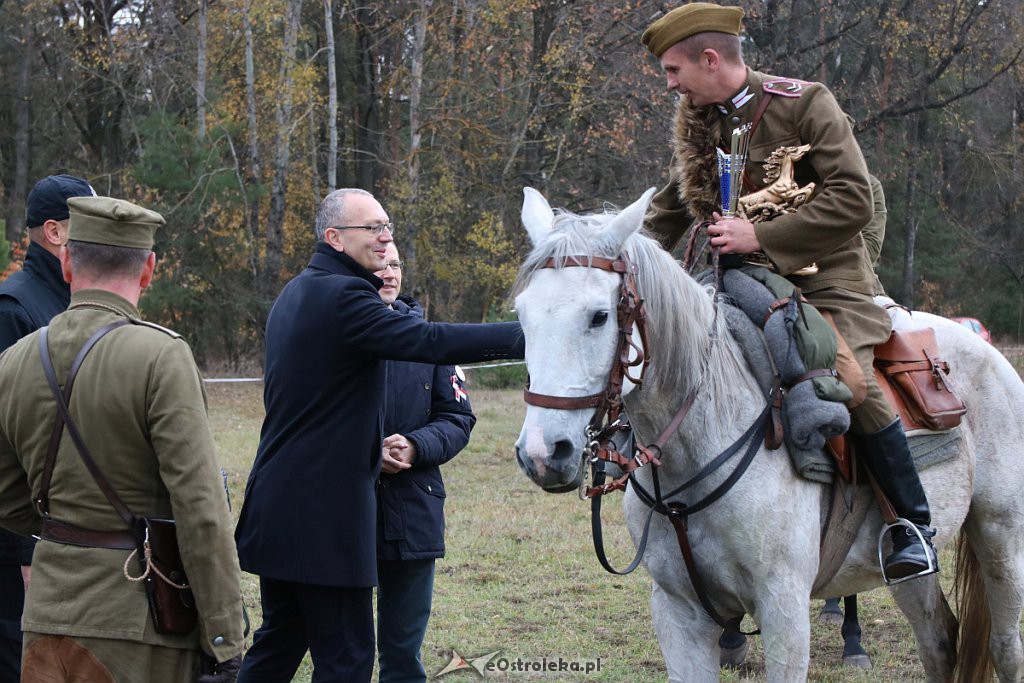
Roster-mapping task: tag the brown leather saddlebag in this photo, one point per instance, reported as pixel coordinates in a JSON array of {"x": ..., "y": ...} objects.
[{"x": 910, "y": 361}]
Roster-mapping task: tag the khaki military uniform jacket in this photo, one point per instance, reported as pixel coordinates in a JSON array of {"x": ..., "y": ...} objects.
[
  {"x": 874, "y": 232},
  {"x": 826, "y": 230},
  {"x": 141, "y": 408}
]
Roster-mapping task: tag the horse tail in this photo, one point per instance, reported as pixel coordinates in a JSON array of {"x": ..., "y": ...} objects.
[{"x": 974, "y": 660}]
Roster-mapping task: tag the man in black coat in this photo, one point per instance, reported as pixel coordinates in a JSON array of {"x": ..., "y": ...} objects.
[
  {"x": 29, "y": 298},
  {"x": 428, "y": 419},
  {"x": 308, "y": 523}
]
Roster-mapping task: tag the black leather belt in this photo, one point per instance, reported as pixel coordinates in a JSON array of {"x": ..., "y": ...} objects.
[{"x": 69, "y": 534}]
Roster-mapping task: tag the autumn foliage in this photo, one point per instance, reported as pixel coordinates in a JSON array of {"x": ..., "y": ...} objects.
[{"x": 216, "y": 113}]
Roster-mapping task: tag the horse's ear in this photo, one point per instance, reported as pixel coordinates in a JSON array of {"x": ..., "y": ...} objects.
[
  {"x": 537, "y": 215},
  {"x": 631, "y": 218}
]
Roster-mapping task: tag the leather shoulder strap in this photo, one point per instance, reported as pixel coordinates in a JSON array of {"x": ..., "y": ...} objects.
[
  {"x": 63, "y": 418},
  {"x": 758, "y": 113}
]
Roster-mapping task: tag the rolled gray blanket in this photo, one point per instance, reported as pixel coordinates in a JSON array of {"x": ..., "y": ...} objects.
[
  {"x": 750, "y": 296},
  {"x": 808, "y": 420}
]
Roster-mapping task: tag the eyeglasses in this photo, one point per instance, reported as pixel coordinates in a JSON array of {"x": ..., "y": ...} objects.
[
  {"x": 377, "y": 230},
  {"x": 393, "y": 265}
]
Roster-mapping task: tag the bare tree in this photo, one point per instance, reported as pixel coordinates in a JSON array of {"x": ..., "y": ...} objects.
[
  {"x": 332, "y": 100},
  {"x": 282, "y": 147},
  {"x": 255, "y": 170},
  {"x": 201, "y": 74},
  {"x": 417, "y": 58},
  {"x": 22, "y": 117},
  {"x": 368, "y": 120}
]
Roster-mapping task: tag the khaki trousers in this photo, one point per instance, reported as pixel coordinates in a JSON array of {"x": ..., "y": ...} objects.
[{"x": 864, "y": 324}]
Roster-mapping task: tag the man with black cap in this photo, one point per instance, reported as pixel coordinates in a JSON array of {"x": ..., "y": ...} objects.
[
  {"x": 36, "y": 293},
  {"x": 28, "y": 299},
  {"x": 140, "y": 410},
  {"x": 699, "y": 48}
]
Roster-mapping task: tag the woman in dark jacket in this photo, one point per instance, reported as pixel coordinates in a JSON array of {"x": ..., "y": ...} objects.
[{"x": 429, "y": 419}]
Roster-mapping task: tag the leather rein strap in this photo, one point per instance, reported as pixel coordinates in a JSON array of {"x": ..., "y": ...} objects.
[
  {"x": 678, "y": 513},
  {"x": 64, "y": 418}
]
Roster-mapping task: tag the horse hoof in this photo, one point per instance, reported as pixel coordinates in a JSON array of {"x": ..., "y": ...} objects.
[
  {"x": 830, "y": 617},
  {"x": 732, "y": 657},
  {"x": 857, "y": 662}
]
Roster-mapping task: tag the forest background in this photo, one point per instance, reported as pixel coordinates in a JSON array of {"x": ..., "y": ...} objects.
[{"x": 234, "y": 117}]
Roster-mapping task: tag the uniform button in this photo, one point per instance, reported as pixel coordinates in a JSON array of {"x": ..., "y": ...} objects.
[
  {"x": 426, "y": 386},
  {"x": 429, "y": 488},
  {"x": 735, "y": 120},
  {"x": 219, "y": 640}
]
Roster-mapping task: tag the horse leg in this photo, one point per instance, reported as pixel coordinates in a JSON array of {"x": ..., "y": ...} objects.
[
  {"x": 786, "y": 634},
  {"x": 853, "y": 654},
  {"x": 830, "y": 612},
  {"x": 990, "y": 572},
  {"x": 733, "y": 645},
  {"x": 688, "y": 638},
  {"x": 935, "y": 627}
]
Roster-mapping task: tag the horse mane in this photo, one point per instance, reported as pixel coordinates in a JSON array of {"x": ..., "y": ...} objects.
[{"x": 691, "y": 346}]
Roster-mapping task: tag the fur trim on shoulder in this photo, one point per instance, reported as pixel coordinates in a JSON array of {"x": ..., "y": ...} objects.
[{"x": 695, "y": 136}]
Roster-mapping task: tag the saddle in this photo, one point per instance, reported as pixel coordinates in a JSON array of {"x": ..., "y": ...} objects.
[{"x": 911, "y": 374}]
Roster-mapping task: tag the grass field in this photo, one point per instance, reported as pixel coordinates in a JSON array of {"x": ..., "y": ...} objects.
[
  {"x": 520, "y": 576},
  {"x": 1013, "y": 353}
]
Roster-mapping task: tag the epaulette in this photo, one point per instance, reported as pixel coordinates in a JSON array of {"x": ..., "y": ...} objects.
[
  {"x": 786, "y": 87},
  {"x": 144, "y": 323}
]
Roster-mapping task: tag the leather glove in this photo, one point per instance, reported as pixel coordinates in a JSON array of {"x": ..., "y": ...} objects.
[{"x": 219, "y": 672}]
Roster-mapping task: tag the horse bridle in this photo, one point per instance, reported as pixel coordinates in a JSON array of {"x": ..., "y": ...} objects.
[
  {"x": 606, "y": 422},
  {"x": 607, "y": 403}
]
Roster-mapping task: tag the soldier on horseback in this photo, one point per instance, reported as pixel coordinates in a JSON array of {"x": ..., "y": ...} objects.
[{"x": 699, "y": 49}]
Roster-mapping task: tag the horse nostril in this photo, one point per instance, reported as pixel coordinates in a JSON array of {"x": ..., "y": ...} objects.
[{"x": 563, "y": 450}]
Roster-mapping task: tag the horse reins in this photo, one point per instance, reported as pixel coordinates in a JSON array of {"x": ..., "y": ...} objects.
[{"x": 606, "y": 423}]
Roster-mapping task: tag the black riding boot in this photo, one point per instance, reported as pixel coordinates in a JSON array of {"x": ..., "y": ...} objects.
[{"x": 887, "y": 454}]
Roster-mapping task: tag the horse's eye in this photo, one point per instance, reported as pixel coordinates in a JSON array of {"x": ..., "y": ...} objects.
[{"x": 600, "y": 318}]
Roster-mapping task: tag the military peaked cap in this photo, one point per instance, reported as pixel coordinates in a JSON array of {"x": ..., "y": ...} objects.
[
  {"x": 688, "y": 20},
  {"x": 116, "y": 222}
]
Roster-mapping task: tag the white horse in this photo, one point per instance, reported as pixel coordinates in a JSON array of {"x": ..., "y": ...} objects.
[{"x": 757, "y": 547}]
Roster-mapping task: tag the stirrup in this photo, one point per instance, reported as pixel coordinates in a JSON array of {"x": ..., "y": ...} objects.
[{"x": 933, "y": 559}]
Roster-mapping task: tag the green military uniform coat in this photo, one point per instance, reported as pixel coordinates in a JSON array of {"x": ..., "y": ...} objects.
[
  {"x": 874, "y": 232},
  {"x": 141, "y": 408},
  {"x": 826, "y": 230}
]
